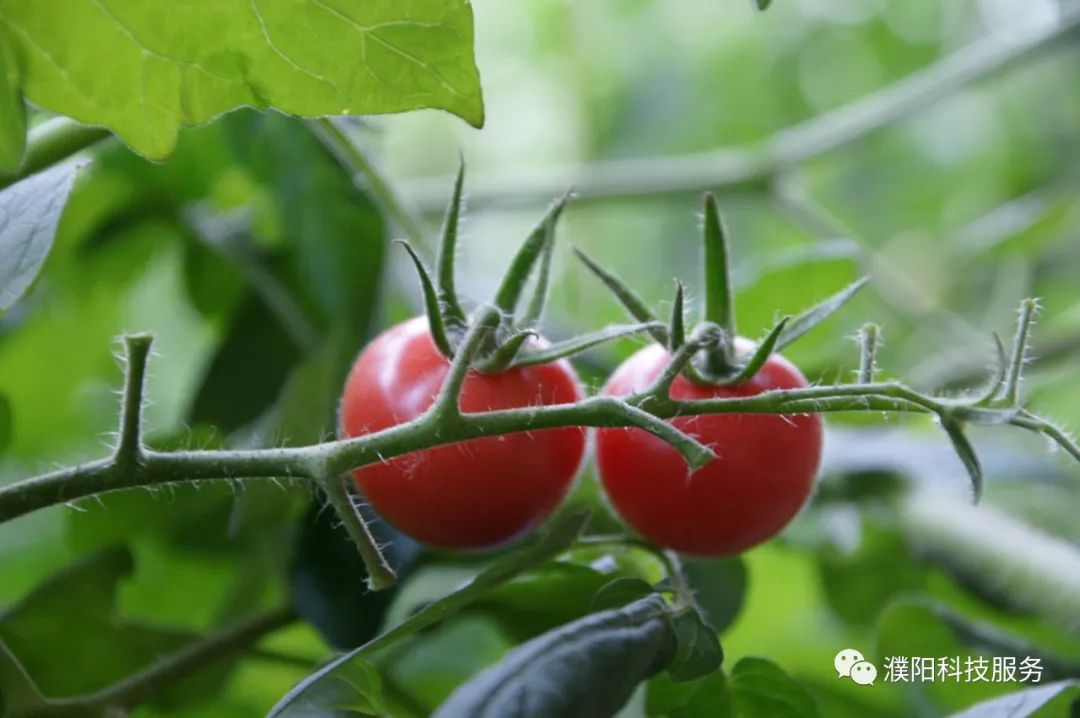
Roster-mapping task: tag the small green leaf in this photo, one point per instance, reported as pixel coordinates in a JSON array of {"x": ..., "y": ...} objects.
[
  {"x": 358, "y": 692},
  {"x": 448, "y": 254},
  {"x": 29, "y": 213},
  {"x": 698, "y": 651},
  {"x": 719, "y": 587},
  {"x": 626, "y": 296},
  {"x": 554, "y": 541},
  {"x": 521, "y": 266},
  {"x": 182, "y": 65},
  {"x": 719, "y": 292},
  {"x": 581, "y": 343},
  {"x": 760, "y": 688},
  {"x": 12, "y": 112},
  {"x": 585, "y": 669},
  {"x": 432, "y": 306},
  {"x": 818, "y": 313},
  {"x": 966, "y": 452}
]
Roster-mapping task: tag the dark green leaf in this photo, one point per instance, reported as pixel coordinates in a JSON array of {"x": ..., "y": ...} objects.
[
  {"x": 706, "y": 697},
  {"x": 353, "y": 58},
  {"x": 327, "y": 577},
  {"x": 29, "y": 213},
  {"x": 18, "y": 694},
  {"x": 760, "y": 688},
  {"x": 585, "y": 669},
  {"x": 554, "y": 541},
  {"x": 12, "y": 113},
  {"x": 719, "y": 586},
  {"x": 698, "y": 651},
  {"x": 619, "y": 592},
  {"x": 818, "y": 313},
  {"x": 1022, "y": 703}
]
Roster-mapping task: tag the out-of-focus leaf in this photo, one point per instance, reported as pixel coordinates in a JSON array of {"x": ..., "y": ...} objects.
[
  {"x": 719, "y": 587},
  {"x": 29, "y": 213},
  {"x": 859, "y": 584},
  {"x": 537, "y": 601},
  {"x": 698, "y": 651},
  {"x": 185, "y": 66},
  {"x": 584, "y": 669},
  {"x": 327, "y": 577},
  {"x": 619, "y": 592},
  {"x": 1023, "y": 703},
  {"x": 554, "y": 541},
  {"x": 5, "y": 423},
  {"x": 12, "y": 113},
  {"x": 708, "y": 696},
  {"x": 18, "y": 694},
  {"x": 761, "y": 688}
]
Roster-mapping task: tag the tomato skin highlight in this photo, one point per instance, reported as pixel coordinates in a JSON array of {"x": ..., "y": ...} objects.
[
  {"x": 469, "y": 495},
  {"x": 763, "y": 474}
]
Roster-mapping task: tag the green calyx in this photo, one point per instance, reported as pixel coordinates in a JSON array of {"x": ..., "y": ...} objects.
[
  {"x": 512, "y": 342},
  {"x": 715, "y": 359}
]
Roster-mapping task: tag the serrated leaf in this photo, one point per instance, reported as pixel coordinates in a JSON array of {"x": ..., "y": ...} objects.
[
  {"x": 29, "y": 213},
  {"x": 955, "y": 431},
  {"x": 12, "y": 113},
  {"x": 818, "y": 313},
  {"x": 595, "y": 663},
  {"x": 760, "y": 688},
  {"x": 698, "y": 652},
  {"x": 554, "y": 541},
  {"x": 187, "y": 63}
]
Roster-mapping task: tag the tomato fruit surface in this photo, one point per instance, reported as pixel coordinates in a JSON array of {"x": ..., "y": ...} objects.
[
  {"x": 763, "y": 474},
  {"x": 472, "y": 494}
]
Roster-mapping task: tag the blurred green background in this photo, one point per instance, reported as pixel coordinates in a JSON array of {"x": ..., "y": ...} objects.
[{"x": 262, "y": 269}]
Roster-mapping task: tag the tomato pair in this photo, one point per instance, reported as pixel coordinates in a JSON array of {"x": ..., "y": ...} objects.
[{"x": 484, "y": 492}]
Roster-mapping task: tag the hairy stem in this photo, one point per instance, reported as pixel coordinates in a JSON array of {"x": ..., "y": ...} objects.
[{"x": 380, "y": 574}]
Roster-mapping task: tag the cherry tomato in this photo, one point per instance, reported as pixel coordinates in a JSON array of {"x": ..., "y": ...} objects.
[
  {"x": 474, "y": 494},
  {"x": 763, "y": 473}
]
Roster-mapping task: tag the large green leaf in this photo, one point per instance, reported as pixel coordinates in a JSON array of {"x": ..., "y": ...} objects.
[
  {"x": 175, "y": 64},
  {"x": 719, "y": 587},
  {"x": 1024, "y": 703},
  {"x": 761, "y": 689},
  {"x": 12, "y": 113},
  {"x": 310, "y": 696},
  {"x": 29, "y": 213},
  {"x": 586, "y": 669}
]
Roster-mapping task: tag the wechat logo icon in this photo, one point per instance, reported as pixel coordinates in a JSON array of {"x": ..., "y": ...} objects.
[{"x": 849, "y": 663}]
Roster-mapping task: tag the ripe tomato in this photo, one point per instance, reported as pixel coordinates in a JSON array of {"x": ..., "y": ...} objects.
[
  {"x": 473, "y": 494},
  {"x": 763, "y": 473}
]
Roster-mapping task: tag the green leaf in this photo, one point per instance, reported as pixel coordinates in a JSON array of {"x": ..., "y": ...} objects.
[
  {"x": 818, "y": 313},
  {"x": 760, "y": 688},
  {"x": 18, "y": 694},
  {"x": 5, "y": 423},
  {"x": 29, "y": 213},
  {"x": 1023, "y": 703},
  {"x": 12, "y": 112},
  {"x": 698, "y": 651},
  {"x": 719, "y": 586},
  {"x": 708, "y": 696},
  {"x": 585, "y": 669},
  {"x": 619, "y": 592},
  {"x": 554, "y": 541},
  {"x": 183, "y": 65}
]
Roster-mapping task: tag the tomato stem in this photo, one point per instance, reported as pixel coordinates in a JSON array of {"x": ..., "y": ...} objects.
[
  {"x": 380, "y": 574},
  {"x": 129, "y": 447},
  {"x": 869, "y": 339}
]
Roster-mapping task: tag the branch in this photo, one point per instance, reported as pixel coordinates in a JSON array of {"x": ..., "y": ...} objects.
[
  {"x": 150, "y": 681},
  {"x": 757, "y": 163},
  {"x": 380, "y": 573}
]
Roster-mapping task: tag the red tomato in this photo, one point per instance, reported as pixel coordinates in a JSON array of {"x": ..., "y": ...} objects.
[
  {"x": 473, "y": 494},
  {"x": 763, "y": 473}
]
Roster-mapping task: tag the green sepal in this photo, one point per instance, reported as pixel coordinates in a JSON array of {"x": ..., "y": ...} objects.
[
  {"x": 579, "y": 344},
  {"x": 719, "y": 293},
  {"x": 539, "y": 297},
  {"x": 677, "y": 326},
  {"x": 431, "y": 303},
  {"x": 1002, "y": 366},
  {"x": 513, "y": 283},
  {"x": 955, "y": 430},
  {"x": 503, "y": 354},
  {"x": 761, "y": 355},
  {"x": 453, "y": 312},
  {"x": 634, "y": 304},
  {"x": 818, "y": 313}
]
